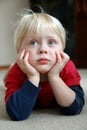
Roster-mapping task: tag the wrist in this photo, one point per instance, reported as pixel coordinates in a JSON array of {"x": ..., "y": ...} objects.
[
  {"x": 52, "y": 78},
  {"x": 35, "y": 80}
]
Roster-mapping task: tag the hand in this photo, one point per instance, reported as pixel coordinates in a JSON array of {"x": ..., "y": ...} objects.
[
  {"x": 61, "y": 60},
  {"x": 23, "y": 62}
]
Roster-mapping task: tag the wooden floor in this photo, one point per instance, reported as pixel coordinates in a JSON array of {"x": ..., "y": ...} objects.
[{"x": 2, "y": 67}]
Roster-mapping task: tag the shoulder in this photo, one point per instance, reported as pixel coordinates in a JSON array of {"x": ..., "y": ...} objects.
[
  {"x": 70, "y": 67},
  {"x": 70, "y": 74},
  {"x": 14, "y": 72},
  {"x": 14, "y": 69},
  {"x": 70, "y": 64}
]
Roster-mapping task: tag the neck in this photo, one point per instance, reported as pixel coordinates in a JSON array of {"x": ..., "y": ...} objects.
[{"x": 43, "y": 77}]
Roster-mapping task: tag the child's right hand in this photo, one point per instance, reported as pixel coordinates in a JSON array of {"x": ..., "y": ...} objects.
[{"x": 23, "y": 62}]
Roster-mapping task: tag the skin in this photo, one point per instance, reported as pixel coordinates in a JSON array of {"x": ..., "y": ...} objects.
[{"x": 42, "y": 58}]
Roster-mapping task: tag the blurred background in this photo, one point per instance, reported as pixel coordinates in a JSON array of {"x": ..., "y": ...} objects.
[{"x": 71, "y": 13}]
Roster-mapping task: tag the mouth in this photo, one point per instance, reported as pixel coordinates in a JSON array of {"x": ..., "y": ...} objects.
[{"x": 43, "y": 61}]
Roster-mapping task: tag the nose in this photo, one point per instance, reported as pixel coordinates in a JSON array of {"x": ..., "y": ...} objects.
[{"x": 43, "y": 49}]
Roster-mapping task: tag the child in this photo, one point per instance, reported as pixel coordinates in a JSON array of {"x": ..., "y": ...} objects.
[{"x": 43, "y": 76}]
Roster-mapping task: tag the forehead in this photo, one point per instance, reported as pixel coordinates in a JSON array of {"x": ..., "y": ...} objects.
[
  {"x": 38, "y": 30},
  {"x": 43, "y": 32}
]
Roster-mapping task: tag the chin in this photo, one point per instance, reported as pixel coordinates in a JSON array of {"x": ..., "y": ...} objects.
[{"x": 43, "y": 71}]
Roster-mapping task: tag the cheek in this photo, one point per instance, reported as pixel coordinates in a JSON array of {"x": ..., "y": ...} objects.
[
  {"x": 31, "y": 58},
  {"x": 53, "y": 56},
  {"x": 59, "y": 49}
]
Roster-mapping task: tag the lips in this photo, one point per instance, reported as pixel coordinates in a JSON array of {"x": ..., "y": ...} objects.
[{"x": 43, "y": 61}]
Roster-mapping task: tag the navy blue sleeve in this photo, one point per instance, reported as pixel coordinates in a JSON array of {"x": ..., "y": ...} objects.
[
  {"x": 77, "y": 105},
  {"x": 21, "y": 102}
]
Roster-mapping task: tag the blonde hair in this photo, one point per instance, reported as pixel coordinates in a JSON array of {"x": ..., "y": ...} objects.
[{"x": 33, "y": 23}]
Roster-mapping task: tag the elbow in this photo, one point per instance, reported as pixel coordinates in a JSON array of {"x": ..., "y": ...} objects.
[
  {"x": 17, "y": 115},
  {"x": 70, "y": 112},
  {"x": 17, "y": 118},
  {"x": 74, "y": 109}
]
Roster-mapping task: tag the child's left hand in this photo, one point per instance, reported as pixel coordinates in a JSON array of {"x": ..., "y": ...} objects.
[{"x": 61, "y": 60}]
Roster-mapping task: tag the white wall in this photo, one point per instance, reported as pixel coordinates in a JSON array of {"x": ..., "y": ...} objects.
[{"x": 8, "y": 17}]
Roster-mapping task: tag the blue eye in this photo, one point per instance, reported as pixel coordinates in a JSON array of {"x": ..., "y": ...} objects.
[
  {"x": 51, "y": 43},
  {"x": 34, "y": 43}
]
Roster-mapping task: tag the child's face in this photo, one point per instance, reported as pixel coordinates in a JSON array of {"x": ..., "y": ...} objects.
[{"x": 42, "y": 50}]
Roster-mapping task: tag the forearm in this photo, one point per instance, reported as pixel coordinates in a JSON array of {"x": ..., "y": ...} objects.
[
  {"x": 78, "y": 103},
  {"x": 21, "y": 102},
  {"x": 63, "y": 94}
]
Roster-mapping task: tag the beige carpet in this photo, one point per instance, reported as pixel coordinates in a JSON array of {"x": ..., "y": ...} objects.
[{"x": 45, "y": 119}]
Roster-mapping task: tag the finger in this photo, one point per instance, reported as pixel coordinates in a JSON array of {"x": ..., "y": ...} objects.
[
  {"x": 20, "y": 56},
  {"x": 64, "y": 56},
  {"x": 26, "y": 56},
  {"x": 58, "y": 56}
]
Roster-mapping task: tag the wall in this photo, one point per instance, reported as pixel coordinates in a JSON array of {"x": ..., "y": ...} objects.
[{"x": 8, "y": 17}]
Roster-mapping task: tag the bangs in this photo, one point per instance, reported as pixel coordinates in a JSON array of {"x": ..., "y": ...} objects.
[{"x": 39, "y": 23}]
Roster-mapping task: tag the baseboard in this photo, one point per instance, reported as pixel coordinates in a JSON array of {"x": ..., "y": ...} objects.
[{"x": 2, "y": 67}]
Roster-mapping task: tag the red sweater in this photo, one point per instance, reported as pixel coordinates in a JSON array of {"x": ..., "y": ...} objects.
[{"x": 15, "y": 78}]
